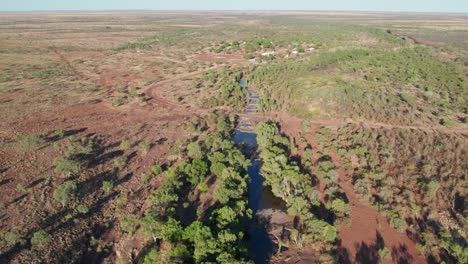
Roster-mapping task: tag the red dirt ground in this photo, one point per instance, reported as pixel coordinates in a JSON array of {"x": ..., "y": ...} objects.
[
  {"x": 233, "y": 59},
  {"x": 367, "y": 228}
]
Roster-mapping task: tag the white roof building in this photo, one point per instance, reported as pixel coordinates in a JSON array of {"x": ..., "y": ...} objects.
[{"x": 270, "y": 53}]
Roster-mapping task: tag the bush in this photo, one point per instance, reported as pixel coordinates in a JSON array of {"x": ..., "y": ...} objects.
[
  {"x": 12, "y": 238},
  {"x": 120, "y": 162},
  {"x": 107, "y": 186},
  {"x": 398, "y": 223},
  {"x": 340, "y": 207},
  {"x": 124, "y": 145},
  {"x": 67, "y": 166},
  {"x": 82, "y": 209},
  {"x": 129, "y": 224},
  {"x": 156, "y": 170},
  {"x": 203, "y": 187},
  {"x": 65, "y": 192},
  {"x": 29, "y": 141},
  {"x": 60, "y": 133},
  {"x": 151, "y": 257},
  {"x": 385, "y": 253},
  {"x": 194, "y": 151},
  {"x": 144, "y": 145},
  {"x": 179, "y": 253},
  {"x": 20, "y": 187},
  {"x": 40, "y": 239},
  {"x": 121, "y": 200}
]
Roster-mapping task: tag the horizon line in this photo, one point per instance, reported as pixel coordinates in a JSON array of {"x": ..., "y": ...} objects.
[{"x": 231, "y": 10}]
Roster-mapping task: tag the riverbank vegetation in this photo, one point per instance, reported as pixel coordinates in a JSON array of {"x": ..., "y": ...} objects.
[
  {"x": 318, "y": 217},
  {"x": 200, "y": 211}
]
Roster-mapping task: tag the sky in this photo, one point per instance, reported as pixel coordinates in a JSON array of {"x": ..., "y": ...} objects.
[{"x": 458, "y": 6}]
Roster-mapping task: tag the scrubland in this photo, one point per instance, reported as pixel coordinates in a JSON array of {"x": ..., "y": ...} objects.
[{"x": 117, "y": 130}]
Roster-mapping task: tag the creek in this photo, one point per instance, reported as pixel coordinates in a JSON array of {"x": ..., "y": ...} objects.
[{"x": 260, "y": 197}]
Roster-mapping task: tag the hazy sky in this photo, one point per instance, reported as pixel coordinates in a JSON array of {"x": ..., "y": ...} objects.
[{"x": 364, "y": 5}]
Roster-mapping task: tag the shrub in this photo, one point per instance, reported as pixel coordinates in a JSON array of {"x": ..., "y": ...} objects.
[
  {"x": 82, "y": 209},
  {"x": 124, "y": 145},
  {"x": 12, "y": 238},
  {"x": 194, "y": 151},
  {"x": 340, "y": 206},
  {"x": 180, "y": 253},
  {"x": 20, "y": 187},
  {"x": 144, "y": 145},
  {"x": 398, "y": 223},
  {"x": 40, "y": 239},
  {"x": 249, "y": 56},
  {"x": 60, "y": 133},
  {"x": 29, "y": 141},
  {"x": 107, "y": 186},
  {"x": 151, "y": 257},
  {"x": 385, "y": 253},
  {"x": 446, "y": 122},
  {"x": 129, "y": 224},
  {"x": 329, "y": 233},
  {"x": 203, "y": 187},
  {"x": 120, "y": 162},
  {"x": 146, "y": 178},
  {"x": 65, "y": 192},
  {"x": 67, "y": 166},
  {"x": 121, "y": 200},
  {"x": 156, "y": 170}
]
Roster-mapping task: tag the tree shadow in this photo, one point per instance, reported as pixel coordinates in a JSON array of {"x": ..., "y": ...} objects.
[
  {"x": 5, "y": 181},
  {"x": 19, "y": 198},
  {"x": 369, "y": 254},
  {"x": 105, "y": 158},
  {"x": 52, "y": 137},
  {"x": 68, "y": 219},
  {"x": 343, "y": 254},
  {"x": 36, "y": 182},
  {"x": 401, "y": 255},
  {"x": 93, "y": 184},
  {"x": 143, "y": 252}
]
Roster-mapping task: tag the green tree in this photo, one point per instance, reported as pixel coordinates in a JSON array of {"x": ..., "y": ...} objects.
[
  {"x": 12, "y": 238},
  {"x": 340, "y": 207},
  {"x": 40, "y": 239},
  {"x": 194, "y": 151},
  {"x": 196, "y": 171},
  {"x": 68, "y": 166},
  {"x": 202, "y": 239},
  {"x": 65, "y": 192},
  {"x": 172, "y": 231},
  {"x": 329, "y": 234}
]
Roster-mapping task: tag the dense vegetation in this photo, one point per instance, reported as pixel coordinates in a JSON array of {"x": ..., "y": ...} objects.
[
  {"x": 368, "y": 84},
  {"x": 419, "y": 192},
  {"x": 178, "y": 225},
  {"x": 227, "y": 88},
  {"x": 296, "y": 186}
]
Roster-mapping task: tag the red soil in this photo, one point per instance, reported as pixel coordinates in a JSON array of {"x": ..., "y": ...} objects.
[
  {"x": 368, "y": 229},
  {"x": 234, "y": 58}
]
